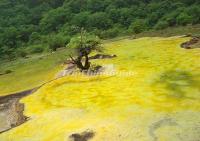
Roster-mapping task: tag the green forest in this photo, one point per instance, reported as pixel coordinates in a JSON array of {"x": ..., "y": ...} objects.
[{"x": 35, "y": 26}]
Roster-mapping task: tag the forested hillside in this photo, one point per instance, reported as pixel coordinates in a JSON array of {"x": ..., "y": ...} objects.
[{"x": 33, "y": 26}]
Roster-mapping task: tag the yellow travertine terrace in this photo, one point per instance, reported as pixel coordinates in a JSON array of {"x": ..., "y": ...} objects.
[{"x": 153, "y": 95}]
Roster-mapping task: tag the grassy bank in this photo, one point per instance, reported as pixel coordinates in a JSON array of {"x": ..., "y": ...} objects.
[
  {"x": 173, "y": 31},
  {"x": 193, "y": 30},
  {"x": 31, "y": 72}
]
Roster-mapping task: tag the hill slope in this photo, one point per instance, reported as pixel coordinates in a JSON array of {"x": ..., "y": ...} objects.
[{"x": 38, "y": 22}]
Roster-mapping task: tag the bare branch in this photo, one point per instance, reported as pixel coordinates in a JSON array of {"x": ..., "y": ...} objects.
[{"x": 73, "y": 60}]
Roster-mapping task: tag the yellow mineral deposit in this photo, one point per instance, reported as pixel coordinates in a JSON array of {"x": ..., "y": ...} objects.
[{"x": 160, "y": 101}]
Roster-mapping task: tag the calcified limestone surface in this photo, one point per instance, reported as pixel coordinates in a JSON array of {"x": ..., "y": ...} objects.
[{"x": 158, "y": 101}]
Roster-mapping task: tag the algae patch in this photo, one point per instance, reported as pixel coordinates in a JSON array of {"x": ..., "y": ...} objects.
[{"x": 161, "y": 101}]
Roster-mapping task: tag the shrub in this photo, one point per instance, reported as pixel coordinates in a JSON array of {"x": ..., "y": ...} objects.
[
  {"x": 183, "y": 19},
  {"x": 57, "y": 41},
  {"x": 161, "y": 25},
  {"x": 111, "y": 33},
  {"x": 37, "y": 49},
  {"x": 138, "y": 26},
  {"x": 194, "y": 11},
  {"x": 35, "y": 38},
  {"x": 7, "y": 72},
  {"x": 171, "y": 18},
  {"x": 99, "y": 20},
  {"x": 22, "y": 53},
  {"x": 8, "y": 53}
]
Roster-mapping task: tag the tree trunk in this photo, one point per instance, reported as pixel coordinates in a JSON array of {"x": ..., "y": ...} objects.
[
  {"x": 80, "y": 64},
  {"x": 87, "y": 63}
]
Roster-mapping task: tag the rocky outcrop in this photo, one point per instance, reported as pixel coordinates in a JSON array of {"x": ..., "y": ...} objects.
[
  {"x": 85, "y": 136},
  {"x": 11, "y": 110},
  {"x": 191, "y": 44},
  {"x": 102, "y": 56}
]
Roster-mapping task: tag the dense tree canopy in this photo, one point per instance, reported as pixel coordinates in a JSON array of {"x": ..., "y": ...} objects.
[{"x": 34, "y": 22}]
